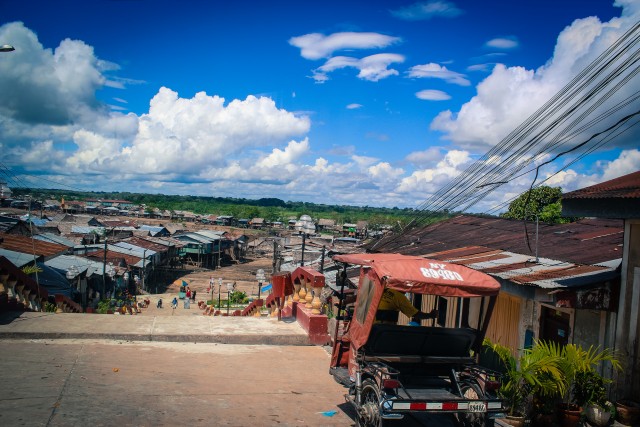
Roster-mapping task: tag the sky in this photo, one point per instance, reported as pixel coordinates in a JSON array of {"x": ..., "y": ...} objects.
[{"x": 368, "y": 103}]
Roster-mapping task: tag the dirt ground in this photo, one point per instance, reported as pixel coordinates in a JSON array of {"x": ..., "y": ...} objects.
[{"x": 243, "y": 274}]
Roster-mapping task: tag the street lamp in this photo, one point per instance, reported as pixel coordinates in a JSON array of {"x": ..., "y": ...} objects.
[
  {"x": 230, "y": 288},
  {"x": 7, "y": 48},
  {"x": 125, "y": 277},
  {"x": 261, "y": 278},
  {"x": 112, "y": 274},
  {"x": 219, "y": 286},
  {"x": 72, "y": 273}
]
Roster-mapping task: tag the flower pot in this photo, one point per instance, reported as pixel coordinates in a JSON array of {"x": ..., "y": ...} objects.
[
  {"x": 569, "y": 415},
  {"x": 597, "y": 415},
  {"x": 514, "y": 420},
  {"x": 543, "y": 420},
  {"x": 628, "y": 412}
]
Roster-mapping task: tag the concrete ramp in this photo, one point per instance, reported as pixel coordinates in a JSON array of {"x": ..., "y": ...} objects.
[{"x": 194, "y": 329}]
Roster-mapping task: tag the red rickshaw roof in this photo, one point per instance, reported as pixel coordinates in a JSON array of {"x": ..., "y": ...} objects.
[{"x": 425, "y": 276}]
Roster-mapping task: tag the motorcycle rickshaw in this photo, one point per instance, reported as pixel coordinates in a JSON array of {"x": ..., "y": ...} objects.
[{"x": 395, "y": 371}]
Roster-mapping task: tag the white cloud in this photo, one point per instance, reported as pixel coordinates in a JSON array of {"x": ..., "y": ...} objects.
[
  {"x": 427, "y": 10},
  {"x": 39, "y": 85},
  {"x": 372, "y": 68},
  {"x": 505, "y": 43},
  {"x": 423, "y": 159},
  {"x": 626, "y": 163},
  {"x": 509, "y": 95},
  {"x": 290, "y": 154},
  {"x": 433, "y": 95},
  {"x": 354, "y": 106},
  {"x": 479, "y": 67},
  {"x": 427, "y": 181},
  {"x": 436, "y": 71},
  {"x": 317, "y": 46}
]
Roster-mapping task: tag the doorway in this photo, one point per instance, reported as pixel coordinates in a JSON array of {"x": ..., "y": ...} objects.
[{"x": 556, "y": 326}]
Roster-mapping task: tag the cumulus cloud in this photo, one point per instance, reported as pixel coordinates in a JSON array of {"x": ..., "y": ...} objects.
[
  {"x": 436, "y": 71},
  {"x": 504, "y": 43},
  {"x": 371, "y": 68},
  {"x": 44, "y": 86},
  {"x": 317, "y": 46},
  {"x": 425, "y": 158},
  {"x": 511, "y": 94},
  {"x": 427, "y": 181},
  {"x": 432, "y": 95},
  {"x": 427, "y": 10}
]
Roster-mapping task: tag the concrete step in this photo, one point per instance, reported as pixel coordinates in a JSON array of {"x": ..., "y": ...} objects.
[{"x": 205, "y": 329}]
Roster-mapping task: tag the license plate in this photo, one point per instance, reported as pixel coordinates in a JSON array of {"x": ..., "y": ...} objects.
[{"x": 477, "y": 407}]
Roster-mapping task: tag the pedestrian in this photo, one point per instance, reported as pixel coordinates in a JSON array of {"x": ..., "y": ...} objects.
[
  {"x": 193, "y": 296},
  {"x": 189, "y": 294},
  {"x": 174, "y": 303}
]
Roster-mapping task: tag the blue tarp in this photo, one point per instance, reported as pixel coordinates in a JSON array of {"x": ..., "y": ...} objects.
[{"x": 267, "y": 287}]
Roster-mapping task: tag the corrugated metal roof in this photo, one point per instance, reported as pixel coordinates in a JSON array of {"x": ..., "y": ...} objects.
[
  {"x": 583, "y": 250},
  {"x": 18, "y": 259},
  {"x": 559, "y": 242},
  {"x": 53, "y": 238},
  {"x": 627, "y": 186},
  {"x": 28, "y": 245},
  {"x": 213, "y": 234},
  {"x": 128, "y": 248},
  {"x": 77, "y": 229},
  {"x": 83, "y": 264},
  {"x": 144, "y": 243}
]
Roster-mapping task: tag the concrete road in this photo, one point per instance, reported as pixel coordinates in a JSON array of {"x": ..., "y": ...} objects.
[{"x": 123, "y": 383}]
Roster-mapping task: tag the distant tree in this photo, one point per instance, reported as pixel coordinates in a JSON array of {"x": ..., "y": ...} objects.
[{"x": 543, "y": 201}]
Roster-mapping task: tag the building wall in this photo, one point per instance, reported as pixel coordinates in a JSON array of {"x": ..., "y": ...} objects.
[
  {"x": 586, "y": 323},
  {"x": 628, "y": 325}
]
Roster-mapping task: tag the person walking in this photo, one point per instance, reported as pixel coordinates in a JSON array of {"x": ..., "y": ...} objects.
[
  {"x": 193, "y": 296},
  {"x": 174, "y": 303}
]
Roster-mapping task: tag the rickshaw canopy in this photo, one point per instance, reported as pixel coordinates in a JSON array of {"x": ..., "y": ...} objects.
[{"x": 425, "y": 276}]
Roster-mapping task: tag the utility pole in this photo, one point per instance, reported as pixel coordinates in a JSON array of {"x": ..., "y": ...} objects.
[
  {"x": 219, "y": 241},
  {"x": 275, "y": 256},
  {"x": 322, "y": 260},
  {"x": 304, "y": 235},
  {"x": 104, "y": 268}
]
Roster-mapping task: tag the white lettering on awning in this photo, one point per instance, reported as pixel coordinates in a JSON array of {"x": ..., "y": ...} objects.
[{"x": 440, "y": 273}]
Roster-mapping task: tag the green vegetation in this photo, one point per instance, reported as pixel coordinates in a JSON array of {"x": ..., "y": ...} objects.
[
  {"x": 543, "y": 201},
  {"x": 271, "y": 209}
]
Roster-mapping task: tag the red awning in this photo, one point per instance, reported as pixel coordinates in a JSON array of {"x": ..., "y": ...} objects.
[{"x": 425, "y": 276}]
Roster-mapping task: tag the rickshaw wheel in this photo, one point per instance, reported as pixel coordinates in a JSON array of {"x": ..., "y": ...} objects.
[
  {"x": 369, "y": 413},
  {"x": 473, "y": 391}
]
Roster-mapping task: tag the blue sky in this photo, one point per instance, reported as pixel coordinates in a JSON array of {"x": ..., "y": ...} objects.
[{"x": 362, "y": 102}]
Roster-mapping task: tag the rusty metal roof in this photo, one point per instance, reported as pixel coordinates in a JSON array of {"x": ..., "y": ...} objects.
[
  {"x": 581, "y": 249},
  {"x": 28, "y": 245},
  {"x": 627, "y": 186},
  {"x": 590, "y": 241},
  {"x": 146, "y": 244}
]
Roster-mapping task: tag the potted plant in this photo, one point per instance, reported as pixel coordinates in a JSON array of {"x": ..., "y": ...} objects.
[
  {"x": 628, "y": 412},
  {"x": 533, "y": 372},
  {"x": 590, "y": 392},
  {"x": 573, "y": 359}
]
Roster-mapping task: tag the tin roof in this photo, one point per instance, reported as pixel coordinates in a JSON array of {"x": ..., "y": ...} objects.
[
  {"x": 585, "y": 249},
  {"x": 627, "y": 186},
  {"x": 28, "y": 245}
]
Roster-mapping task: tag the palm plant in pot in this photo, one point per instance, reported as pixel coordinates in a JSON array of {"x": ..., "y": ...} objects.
[
  {"x": 574, "y": 360},
  {"x": 533, "y": 372}
]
